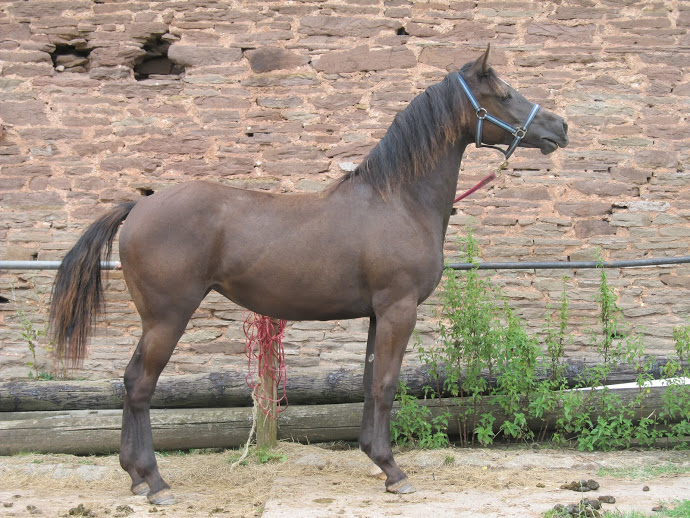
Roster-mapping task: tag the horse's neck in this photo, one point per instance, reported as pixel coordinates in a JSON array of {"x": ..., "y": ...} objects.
[{"x": 434, "y": 191}]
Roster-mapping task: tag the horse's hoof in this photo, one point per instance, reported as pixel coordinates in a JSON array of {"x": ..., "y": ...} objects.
[
  {"x": 140, "y": 489},
  {"x": 377, "y": 472},
  {"x": 164, "y": 497},
  {"x": 402, "y": 487}
]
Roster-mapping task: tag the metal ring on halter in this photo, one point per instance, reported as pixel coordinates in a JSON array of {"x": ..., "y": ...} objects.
[{"x": 484, "y": 113}]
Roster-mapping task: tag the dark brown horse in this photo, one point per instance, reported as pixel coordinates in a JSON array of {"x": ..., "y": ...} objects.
[{"x": 369, "y": 245}]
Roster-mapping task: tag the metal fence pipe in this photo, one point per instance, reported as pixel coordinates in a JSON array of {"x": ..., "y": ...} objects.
[
  {"x": 547, "y": 265},
  {"x": 570, "y": 265},
  {"x": 49, "y": 265}
]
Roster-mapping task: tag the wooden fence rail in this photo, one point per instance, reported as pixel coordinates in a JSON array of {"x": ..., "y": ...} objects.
[{"x": 86, "y": 432}]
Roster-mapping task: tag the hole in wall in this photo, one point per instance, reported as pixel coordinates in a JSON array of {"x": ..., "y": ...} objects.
[
  {"x": 402, "y": 32},
  {"x": 68, "y": 58},
  {"x": 34, "y": 256},
  {"x": 145, "y": 191},
  {"x": 155, "y": 64},
  {"x": 4, "y": 300}
]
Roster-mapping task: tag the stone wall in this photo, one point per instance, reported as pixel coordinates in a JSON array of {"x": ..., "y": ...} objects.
[{"x": 105, "y": 101}]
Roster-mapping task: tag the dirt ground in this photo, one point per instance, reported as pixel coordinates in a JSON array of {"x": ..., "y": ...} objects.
[{"x": 313, "y": 481}]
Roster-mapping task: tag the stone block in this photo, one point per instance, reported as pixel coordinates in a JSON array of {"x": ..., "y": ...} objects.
[
  {"x": 10, "y": 56},
  {"x": 446, "y": 57},
  {"x": 146, "y": 30},
  {"x": 272, "y": 80},
  {"x": 590, "y": 228},
  {"x": 345, "y": 26},
  {"x": 630, "y": 219},
  {"x": 338, "y": 101},
  {"x": 525, "y": 193},
  {"x": 604, "y": 187},
  {"x": 27, "y": 113},
  {"x": 179, "y": 145},
  {"x": 363, "y": 58},
  {"x": 582, "y": 209},
  {"x": 110, "y": 73},
  {"x": 543, "y": 30},
  {"x": 115, "y": 56},
  {"x": 266, "y": 59},
  {"x": 190, "y": 56}
]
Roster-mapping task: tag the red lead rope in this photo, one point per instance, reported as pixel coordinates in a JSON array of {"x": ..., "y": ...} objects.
[
  {"x": 475, "y": 188},
  {"x": 483, "y": 182}
]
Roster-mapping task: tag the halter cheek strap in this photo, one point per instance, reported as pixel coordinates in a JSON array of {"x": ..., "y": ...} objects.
[{"x": 482, "y": 115}]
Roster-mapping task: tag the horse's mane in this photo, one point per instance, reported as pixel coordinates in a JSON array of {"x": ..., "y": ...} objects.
[{"x": 412, "y": 144}]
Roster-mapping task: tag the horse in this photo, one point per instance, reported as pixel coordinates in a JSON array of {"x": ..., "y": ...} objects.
[{"x": 369, "y": 245}]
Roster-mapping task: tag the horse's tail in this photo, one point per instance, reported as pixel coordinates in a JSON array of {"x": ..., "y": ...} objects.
[{"x": 77, "y": 296}]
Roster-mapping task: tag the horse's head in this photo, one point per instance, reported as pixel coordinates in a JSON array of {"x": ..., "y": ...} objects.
[{"x": 504, "y": 116}]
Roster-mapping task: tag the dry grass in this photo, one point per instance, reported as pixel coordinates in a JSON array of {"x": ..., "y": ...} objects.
[{"x": 205, "y": 484}]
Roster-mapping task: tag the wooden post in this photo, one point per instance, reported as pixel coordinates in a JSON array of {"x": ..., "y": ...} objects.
[{"x": 267, "y": 392}]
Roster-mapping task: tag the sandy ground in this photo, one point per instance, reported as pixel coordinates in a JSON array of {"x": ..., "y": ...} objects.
[{"x": 313, "y": 482}]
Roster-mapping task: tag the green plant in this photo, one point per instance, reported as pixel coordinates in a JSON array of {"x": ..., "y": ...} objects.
[
  {"x": 556, "y": 338},
  {"x": 463, "y": 360},
  {"x": 414, "y": 424},
  {"x": 33, "y": 335},
  {"x": 677, "y": 509},
  {"x": 267, "y": 456},
  {"x": 42, "y": 376},
  {"x": 259, "y": 455},
  {"x": 644, "y": 472},
  {"x": 485, "y": 357}
]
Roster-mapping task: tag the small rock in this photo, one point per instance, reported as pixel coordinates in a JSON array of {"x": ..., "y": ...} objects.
[
  {"x": 645, "y": 488},
  {"x": 607, "y": 499},
  {"x": 80, "y": 510},
  {"x": 658, "y": 508},
  {"x": 7, "y": 504},
  {"x": 582, "y": 486},
  {"x": 123, "y": 510},
  {"x": 587, "y": 502},
  {"x": 541, "y": 484},
  {"x": 311, "y": 460},
  {"x": 33, "y": 509}
]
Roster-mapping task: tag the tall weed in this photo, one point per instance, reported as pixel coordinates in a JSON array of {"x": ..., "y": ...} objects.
[{"x": 502, "y": 382}]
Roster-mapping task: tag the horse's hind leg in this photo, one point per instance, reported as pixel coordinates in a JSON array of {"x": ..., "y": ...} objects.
[{"x": 137, "y": 456}]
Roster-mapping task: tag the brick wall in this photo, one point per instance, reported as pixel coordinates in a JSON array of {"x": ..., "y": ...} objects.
[{"x": 285, "y": 96}]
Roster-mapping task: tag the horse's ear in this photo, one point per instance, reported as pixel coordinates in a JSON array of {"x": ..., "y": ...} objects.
[{"x": 481, "y": 66}]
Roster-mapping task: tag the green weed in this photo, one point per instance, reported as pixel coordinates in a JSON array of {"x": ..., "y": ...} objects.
[
  {"x": 414, "y": 425},
  {"x": 485, "y": 357},
  {"x": 644, "y": 472}
]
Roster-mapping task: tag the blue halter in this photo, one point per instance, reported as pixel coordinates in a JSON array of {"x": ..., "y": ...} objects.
[{"x": 482, "y": 115}]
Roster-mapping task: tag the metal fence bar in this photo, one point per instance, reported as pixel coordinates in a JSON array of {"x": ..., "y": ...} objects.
[
  {"x": 49, "y": 265},
  {"x": 547, "y": 265},
  {"x": 567, "y": 265}
]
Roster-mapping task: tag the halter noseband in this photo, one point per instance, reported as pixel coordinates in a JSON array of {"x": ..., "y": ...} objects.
[{"x": 482, "y": 114}]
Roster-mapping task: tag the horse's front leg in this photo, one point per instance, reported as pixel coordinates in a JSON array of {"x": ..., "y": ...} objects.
[
  {"x": 367, "y": 429},
  {"x": 394, "y": 326}
]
